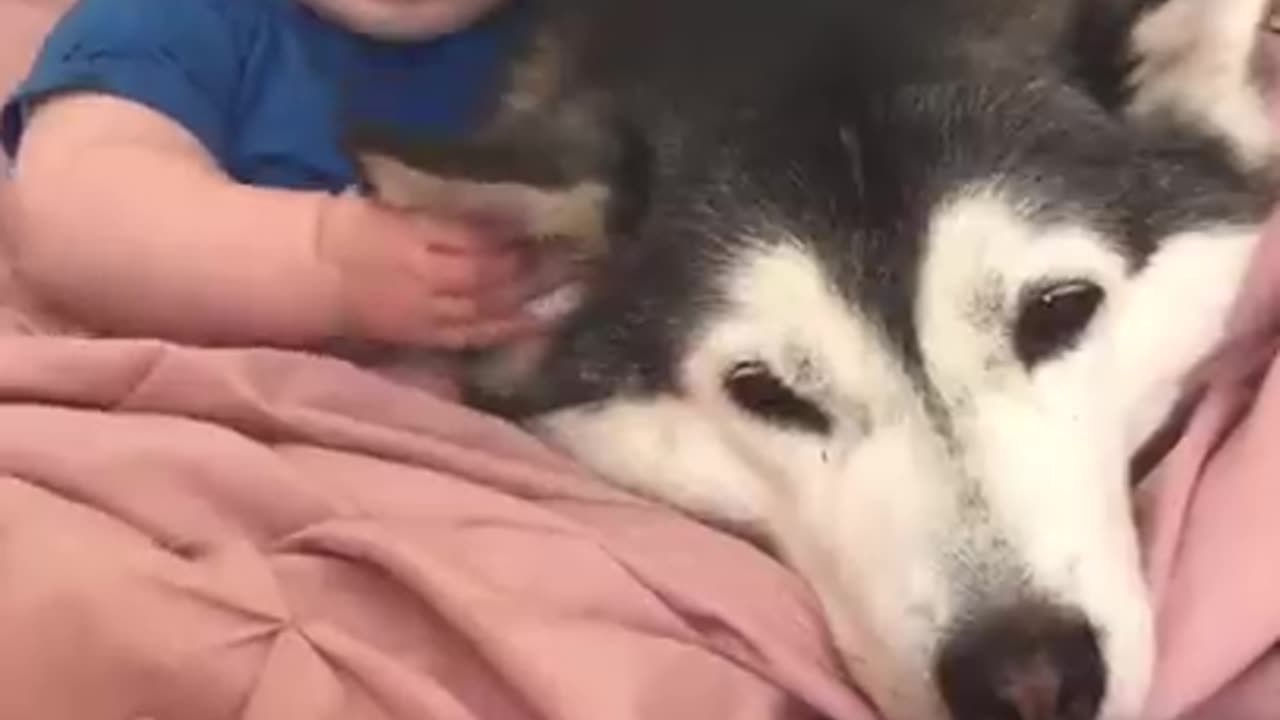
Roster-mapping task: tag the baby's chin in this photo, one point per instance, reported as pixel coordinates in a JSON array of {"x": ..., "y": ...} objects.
[{"x": 403, "y": 20}]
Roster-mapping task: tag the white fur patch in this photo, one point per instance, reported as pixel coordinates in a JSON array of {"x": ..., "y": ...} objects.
[
  {"x": 1197, "y": 62},
  {"x": 1173, "y": 316},
  {"x": 665, "y": 450},
  {"x": 1044, "y": 450}
]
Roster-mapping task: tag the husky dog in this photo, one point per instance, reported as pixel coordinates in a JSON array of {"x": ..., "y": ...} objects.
[{"x": 896, "y": 287}]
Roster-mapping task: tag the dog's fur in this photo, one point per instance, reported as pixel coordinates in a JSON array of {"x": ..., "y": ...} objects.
[{"x": 894, "y": 287}]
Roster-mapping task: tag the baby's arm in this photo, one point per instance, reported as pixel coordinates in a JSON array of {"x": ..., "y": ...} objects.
[{"x": 131, "y": 225}]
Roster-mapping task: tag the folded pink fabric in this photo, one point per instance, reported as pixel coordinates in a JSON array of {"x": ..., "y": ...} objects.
[
  {"x": 1212, "y": 526},
  {"x": 259, "y": 535}
]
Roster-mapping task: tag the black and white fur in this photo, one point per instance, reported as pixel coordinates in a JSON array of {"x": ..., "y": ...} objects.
[{"x": 895, "y": 287}]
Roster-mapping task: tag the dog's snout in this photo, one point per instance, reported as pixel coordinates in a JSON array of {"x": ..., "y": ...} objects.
[{"x": 1028, "y": 662}]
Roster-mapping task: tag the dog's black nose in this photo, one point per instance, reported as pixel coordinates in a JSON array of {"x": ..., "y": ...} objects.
[{"x": 1031, "y": 661}]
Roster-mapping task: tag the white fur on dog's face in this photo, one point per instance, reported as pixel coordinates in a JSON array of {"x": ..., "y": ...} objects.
[{"x": 902, "y": 526}]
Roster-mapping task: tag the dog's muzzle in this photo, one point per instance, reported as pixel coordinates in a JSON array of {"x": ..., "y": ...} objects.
[{"x": 1031, "y": 661}]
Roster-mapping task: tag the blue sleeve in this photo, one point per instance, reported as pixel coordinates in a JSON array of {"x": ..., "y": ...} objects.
[{"x": 178, "y": 57}]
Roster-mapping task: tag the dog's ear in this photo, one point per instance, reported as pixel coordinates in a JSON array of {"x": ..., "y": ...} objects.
[
  {"x": 533, "y": 178},
  {"x": 1197, "y": 65}
]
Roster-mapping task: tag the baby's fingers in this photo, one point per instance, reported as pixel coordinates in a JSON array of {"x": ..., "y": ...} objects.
[
  {"x": 474, "y": 307},
  {"x": 486, "y": 333},
  {"x": 468, "y": 273},
  {"x": 499, "y": 299}
]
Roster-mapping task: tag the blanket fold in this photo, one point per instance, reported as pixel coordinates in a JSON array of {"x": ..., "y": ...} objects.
[{"x": 192, "y": 533}]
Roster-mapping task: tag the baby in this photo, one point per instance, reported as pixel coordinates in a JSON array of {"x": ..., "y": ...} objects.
[{"x": 179, "y": 169}]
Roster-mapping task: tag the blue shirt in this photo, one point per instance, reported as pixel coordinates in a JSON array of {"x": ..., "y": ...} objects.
[{"x": 267, "y": 85}]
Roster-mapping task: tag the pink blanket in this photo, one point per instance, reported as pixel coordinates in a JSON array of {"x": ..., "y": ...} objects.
[{"x": 207, "y": 534}]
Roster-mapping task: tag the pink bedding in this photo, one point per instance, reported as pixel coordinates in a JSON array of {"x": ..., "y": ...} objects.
[
  {"x": 215, "y": 534},
  {"x": 190, "y": 534}
]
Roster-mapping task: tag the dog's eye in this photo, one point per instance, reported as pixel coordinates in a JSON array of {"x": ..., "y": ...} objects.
[
  {"x": 755, "y": 389},
  {"x": 1053, "y": 318}
]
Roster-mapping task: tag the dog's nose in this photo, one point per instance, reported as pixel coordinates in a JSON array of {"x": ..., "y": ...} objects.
[{"x": 1028, "y": 662}]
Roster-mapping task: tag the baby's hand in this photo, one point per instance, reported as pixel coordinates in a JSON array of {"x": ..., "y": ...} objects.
[{"x": 410, "y": 279}]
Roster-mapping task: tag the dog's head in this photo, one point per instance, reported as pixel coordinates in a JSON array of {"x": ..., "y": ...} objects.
[{"x": 901, "y": 298}]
